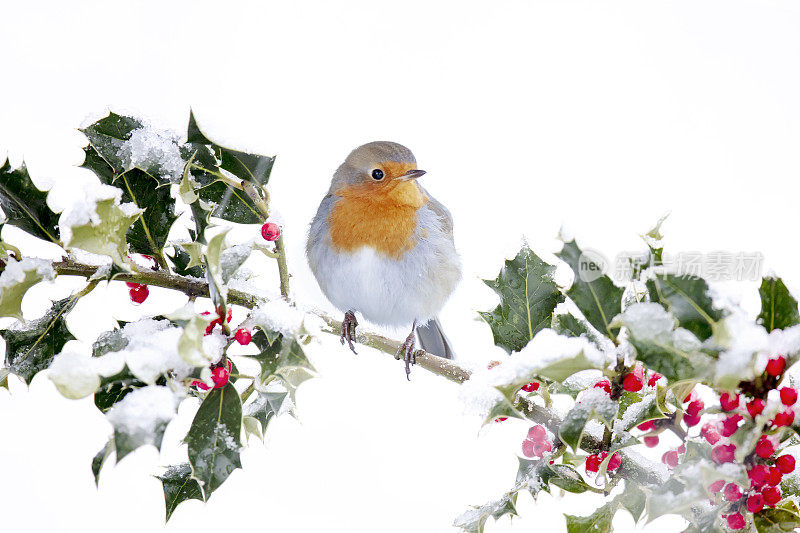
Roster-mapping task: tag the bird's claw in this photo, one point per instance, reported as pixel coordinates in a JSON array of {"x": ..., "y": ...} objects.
[
  {"x": 349, "y": 330},
  {"x": 408, "y": 352}
]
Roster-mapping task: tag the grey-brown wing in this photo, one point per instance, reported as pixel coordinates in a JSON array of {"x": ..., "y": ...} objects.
[{"x": 441, "y": 211}]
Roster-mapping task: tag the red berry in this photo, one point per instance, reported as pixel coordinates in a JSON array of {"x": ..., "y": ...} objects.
[
  {"x": 755, "y": 407},
  {"x": 716, "y": 486},
  {"x": 631, "y": 382},
  {"x": 772, "y": 495},
  {"x": 712, "y": 437},
  {"x": 200, "y": 385},
  {"x": 775, "y": 367},
  {"x": 788, "y": 396},
  {"x": 682, "y": 448},
  {"x": 654, "y": 379},
  {"x": 593, "y": 463},
  {"x": 695, "y": 407},
  {"x": 670, "y": 458},
  {"x": 732, "y": 492},
  {"x": 651, "y": 442},
  {"x": 243, "y": 336},
  {"x": 501, "y": 419},
  {"x": 527, "y": 448},
  {"x": 604, "y": 384},
  {"x": 758, "y": 475},
  {"x": 270, "y": 231},
  {"x": 542, "y": 447},
  {"x": 537, "y": 433},
  {"x": 764, "y": 448},
  {"x": 730, "y": 425},
  {"x": 219, "y": 376},
  {"x": 647, "y": 426},
  {"x": 755, "y": 503},
  {"x": 139, "y": 294},
  {"x": 724, "y": 453},
  {"x": 530, "y": 387},
  {"x": 773, "y": 476},
  {"x": 690, "y": 420},
  {"x": 736, "y": 521},
  {"x": 785, "y": 463},
  {"x": 784, "y": 419},
  {"x": 132, "y": 285},
  {"x": 690, "y": 397},
  {"x": 614, "y": 462},
  {"x": 729, "y": 402}
]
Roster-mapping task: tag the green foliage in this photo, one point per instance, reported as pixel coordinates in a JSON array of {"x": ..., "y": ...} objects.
[
  {"x": 574, "y": 425},
  {"x": 528, "y": 296},
  {"x": 778, "y": 306},
  {"x": 264, "y": 407},
  {"x": 686, "y": 297},
  {"x": 598, "y": 299},
  {"x": 776, "y": 521},
  {"x": 214, "y": 438},
  {"x": 597, "y": 522},
  {"x": 99, "y": 460},
  {"x": 25, "y": 206},
  {"x": 474, "y": 520},
  {"x": 179, "y": 486}
]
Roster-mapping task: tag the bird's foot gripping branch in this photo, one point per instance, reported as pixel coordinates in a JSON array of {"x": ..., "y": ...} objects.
[{"x": 599, "y": 372}]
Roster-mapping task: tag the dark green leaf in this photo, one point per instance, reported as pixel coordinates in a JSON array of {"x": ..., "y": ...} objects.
[
  {"x": 665, "y": 359},
  {"x": 598, "y": 298},
  {"x": 25, "y": 206},
  {"x": 277, "y": 352},
  {"x": 597, "y": 522},
  {"x": 31, "y": 347},
  {"x": 109, "y": 341},
  {"x": 474, "y": 520},
  {"x": 149, "y": 426},
  {"x": 528, "y": 297},
  {"x": 181, "y": 261},
  {"x": 574, "y": 424},
  {"x": 115, "y": 388},
  {"x": 179, "y": 486},
  {"x": 264, "y": 407},
  {"x": 214, "y": 438},
  {"x": 776, "y": 521},
  {"x": 569, "y": 326},
  {"x": 778, "y": 306},
  {"x": 230, "y": 204},
  {"x": 100, "y": 459},
  {"x": 106, "y": 137},
  {"x": 686, "y": 297}
]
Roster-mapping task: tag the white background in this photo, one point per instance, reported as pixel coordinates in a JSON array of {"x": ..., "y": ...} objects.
[{"x": 526, "y": 114}]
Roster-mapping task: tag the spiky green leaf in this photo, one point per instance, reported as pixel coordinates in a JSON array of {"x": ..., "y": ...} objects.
[
  {"x": 474, "y": 520},
  {"x": 686, "y": 297},
  {"x": 25, "y": 206},
  {"x": 179, "y": 486},
  {"x": 778, "y": 306},
  {"x": 264, "y": 407},
  {"x": 776, "y": 521}
]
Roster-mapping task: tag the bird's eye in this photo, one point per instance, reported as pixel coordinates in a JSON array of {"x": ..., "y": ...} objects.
[{"x": 377, "y": 174}]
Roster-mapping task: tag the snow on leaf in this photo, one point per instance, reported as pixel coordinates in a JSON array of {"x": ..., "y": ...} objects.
[
  {"x": 264, "y": 407},
  {"x": 686, "y": 297},
  {"x": 179, "y": 486},
  {"x": 474, "y": 520},
  {"x": 77, "y": 374},
  {"x": 141, "y": 418},
  {"x": 25, "y": 206},
  {"x": 597, "y": 522},
  {"x": 594, "y": 404},
  {"x": 16, "y": 279}
]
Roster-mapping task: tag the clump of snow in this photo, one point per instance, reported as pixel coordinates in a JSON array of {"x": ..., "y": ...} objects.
[
  {"x": 649, "y": 321},
  {"x": 142, "y": 412},
  {"x": 77, "y": 375},
  {"x": 744, "y": 340},
  {"x": 85, "y": 212},
  {"x": 214, "y": 346},
  {"x": 16, "y": 271},
  {"x": 152, "y": 350},
  {"x": 278, "y": 315},
  {"x": 784, "y": 342},
  {"x": 149, "y": 147}
]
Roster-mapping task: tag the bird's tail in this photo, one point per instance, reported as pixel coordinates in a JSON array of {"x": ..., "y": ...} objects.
[{"x": 433, "y": 340}]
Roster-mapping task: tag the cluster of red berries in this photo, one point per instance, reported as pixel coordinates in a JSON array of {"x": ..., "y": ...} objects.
[
  {"x": 633, "y": 381},
  {"x": 219, "y": 375},
  {"x": 594, "y": 461},
  {"x": 537, "y": 443},
  {"x": 270, "y": 231}
]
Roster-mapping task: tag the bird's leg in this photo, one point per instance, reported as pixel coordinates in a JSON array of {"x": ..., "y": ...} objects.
[
  {"x": 349, "y": 329},
  {"x": 407, "y": 351}
]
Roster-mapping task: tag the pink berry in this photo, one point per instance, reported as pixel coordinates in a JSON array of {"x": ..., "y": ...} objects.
[
  {"x": 614, "y": 462},
  {"x": 139, "y": 294},
  {"x": 758, "y": 475},
  {"x": 682, "y": 448},
  {"x": 712, "y": 437},
  {"x": 736, "y": 521},
  {"x": 670, "y": 458},
  {"x": 732, "y": 492},
  {"x": 243, "y": 336},
  {"x": 755, "y": 407},
  {"x": 775, "y": 367},
  {"x": 604, "y": 384},
  {"x": 723, "y": 453},
  {"x": 542, "y": 447},
  {"x": 784, "y": 418},
  {"x": 788, "y": 395},
  {"x": 220, "y": 375},
  {"x": 690, "y": 420},
  {"x": 654, "y": 379},
  {"x": 527, "y": 448},
  {"x": 593, "y": 463},
  {"x": 631, "y": 382},
  {"x": 755, "y": 503},
  {"x": 200, "y": 385},
  {"x": 785, "y": 463},
  {"x": 764, "y": 448},
  {"x": 772, "y": 495},
  {"x": 695, "y": 407},
  {"x": 716, "y": 486},
  {"x": 270, "y": 231},
  {"x": 537, "y": 433},
  {"x": 530, "y": 387},
  {"x": 730, "y": 425},
  {"x": 729, "y": 402},
  {"x": 651, "y": 442}
]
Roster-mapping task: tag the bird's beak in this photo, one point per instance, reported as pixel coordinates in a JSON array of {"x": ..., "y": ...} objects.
[{"x": 411, "y": 175}]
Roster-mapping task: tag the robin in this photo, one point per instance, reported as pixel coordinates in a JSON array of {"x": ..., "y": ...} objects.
[{"x": 381, "y": 246}]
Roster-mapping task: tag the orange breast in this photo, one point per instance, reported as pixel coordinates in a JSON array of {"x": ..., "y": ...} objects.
[{"x": 384, "y": 219}]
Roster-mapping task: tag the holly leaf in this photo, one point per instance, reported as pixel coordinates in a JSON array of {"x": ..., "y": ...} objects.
[
  {"x": 183, "y": 263},
  {"x": 264, "y": 407},
  {"x": 113, "y": 389},
  {"x": 100, "y": 459},
  {"x": 474, "y": 520},
  {"x": 15, "y": 280},
  {"x": 103, "y": 235},
  {"x": 634, "y": 409},
  {"x": 25, "y": 206},
  {"x": 106, "y": 138},
  {"x": 31, "y": 347},
  {"x": 593, "y": 293},
  {"x": 776, "y": 521},
  {"x": 686, "y": 297},
  {"x": 599, "y": 407},
  {"x": 528, "y": 296},
  {"x": 4, "y": 373},
  {"x": 141, "y": 418},
  {"x": 179, "y": 486},
  {"x": 597, "y": 522},
  {"x": 214, "y": 438},
  {"x": 633, "y": 499},
  {"x": 778, "y": 306},
  {"x": 277, "y": 352}
]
